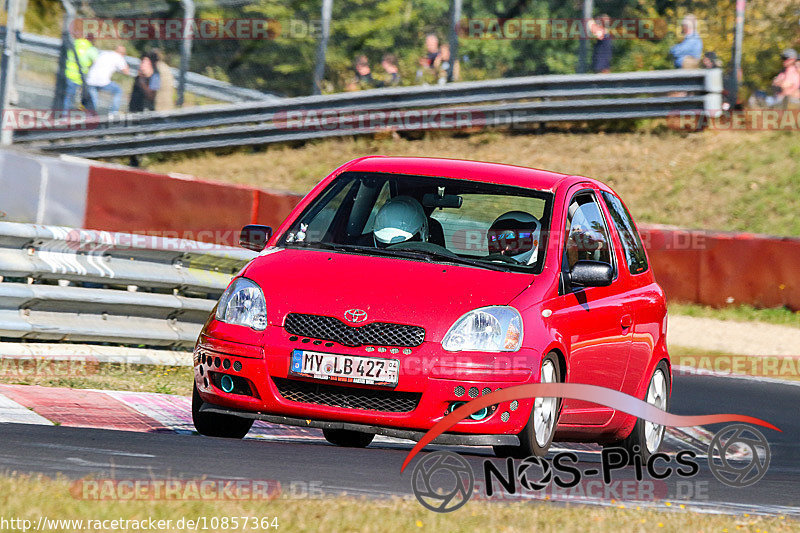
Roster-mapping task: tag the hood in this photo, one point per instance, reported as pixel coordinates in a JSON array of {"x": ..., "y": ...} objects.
[{"x": 402, "y": 291}]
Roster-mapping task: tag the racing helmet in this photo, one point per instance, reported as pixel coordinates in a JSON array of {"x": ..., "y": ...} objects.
[
  {"x": 515, "y": 234},
  {"x": 401, "y": 219}
]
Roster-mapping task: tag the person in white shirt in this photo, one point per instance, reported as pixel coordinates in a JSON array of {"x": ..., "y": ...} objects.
[{"x": 99, "y": 77}]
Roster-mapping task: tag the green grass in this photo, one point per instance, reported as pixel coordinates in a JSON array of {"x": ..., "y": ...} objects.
[
  {"x": 29, "y": 497},
  {"x": 106, "y": 376},
  {"x": 723, "y": 180},
  {"x": 744, "y": 313}
]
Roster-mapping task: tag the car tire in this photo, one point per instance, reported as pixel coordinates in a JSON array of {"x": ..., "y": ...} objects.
[
  {"x": 646, "y": 437},
  {"x": 215, "y": 424},
  {"x": 544, "y": 415},
  {"x": 347, "y": 438}
]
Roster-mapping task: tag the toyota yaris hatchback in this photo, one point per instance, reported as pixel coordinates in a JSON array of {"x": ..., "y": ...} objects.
[{"x": 400, "y": 288}]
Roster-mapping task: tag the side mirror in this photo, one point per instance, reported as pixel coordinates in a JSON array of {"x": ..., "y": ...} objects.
[
  {"x": 587, "y": 273},
  {"x": 254, "y": 237}
]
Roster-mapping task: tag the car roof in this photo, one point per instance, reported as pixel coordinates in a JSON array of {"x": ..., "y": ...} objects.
[{"x": 472, "y": 170}]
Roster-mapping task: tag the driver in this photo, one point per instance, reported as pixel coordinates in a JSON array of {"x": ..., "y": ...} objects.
[
  {"x": 401, "y": 219},
  {"x": 515, "y": 234}
]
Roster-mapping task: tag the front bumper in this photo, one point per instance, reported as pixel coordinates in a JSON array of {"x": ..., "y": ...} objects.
[
  {"x": 433, "y": 375},
  {"x": 445, "y": 438}
]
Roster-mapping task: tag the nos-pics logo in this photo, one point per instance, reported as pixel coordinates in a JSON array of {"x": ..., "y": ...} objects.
[{"x": 442, "y": 481}]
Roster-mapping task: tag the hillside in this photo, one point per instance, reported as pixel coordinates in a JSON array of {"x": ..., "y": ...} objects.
[{"x": 743, "y": 181}]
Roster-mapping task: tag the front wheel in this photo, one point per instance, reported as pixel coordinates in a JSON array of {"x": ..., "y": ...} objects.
[
  {"x": 646, "y": 437},
  {"x": 215, "y": 424},
  {"x": 537, "y": 435}
]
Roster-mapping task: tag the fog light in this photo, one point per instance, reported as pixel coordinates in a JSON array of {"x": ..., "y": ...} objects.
[
  {"x": 226, "y": 383},
  {"x": 480, "y": 415}
]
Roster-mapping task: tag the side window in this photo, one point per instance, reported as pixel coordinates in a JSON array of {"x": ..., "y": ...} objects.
[
  {"x": 317, "y": 224},
  {"x": 587, "y": 234},
  {"x": 631, "y": 242}
]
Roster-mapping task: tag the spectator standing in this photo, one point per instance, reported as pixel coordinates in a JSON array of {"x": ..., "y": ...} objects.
[
  {"x": 442, "y": 65},
  {"x": 145, "y": 86},
  {"x": 363, "y": 75},
  {"x": 98, "y": 79},
  {"x": 602, "y": 51},
  {"x": 431, "y": 59},
  {"x": 710, "y": 60},
  {"x": 786, "y": 85},
  {"x": 389, "y": 64},
  {"x": 79, "y": 59},
  {"x": 688, "y": 52},
  {"x": 165, "y": 97}
]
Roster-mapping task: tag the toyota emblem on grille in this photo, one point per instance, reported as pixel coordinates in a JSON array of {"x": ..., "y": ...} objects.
[{"x": 355, "y": 315}]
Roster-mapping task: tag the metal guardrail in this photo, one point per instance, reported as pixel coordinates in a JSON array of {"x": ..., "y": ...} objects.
[
  {"x": 195, "y": 83},
  {"x": 66, "y": 284},
  {"x": 580, "y": 97}
]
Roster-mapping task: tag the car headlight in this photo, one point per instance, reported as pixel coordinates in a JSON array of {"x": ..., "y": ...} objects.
[
  {"x": 488, "y": 329},
  {"x": 243, "y": 303}
]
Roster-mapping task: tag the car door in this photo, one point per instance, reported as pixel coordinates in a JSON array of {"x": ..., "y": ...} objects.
[
  {"x": 595, "y": 321},
  {"x": 641, "y": 292}
]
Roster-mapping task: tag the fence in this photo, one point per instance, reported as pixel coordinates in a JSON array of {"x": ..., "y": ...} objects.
[
  {"x": 38, "y": 67},
  {"x": 503, "y": 102},
  {"x": 61, "y": 284}
]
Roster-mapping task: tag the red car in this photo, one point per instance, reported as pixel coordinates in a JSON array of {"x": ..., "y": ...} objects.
[{"x": 400, "y": 288}]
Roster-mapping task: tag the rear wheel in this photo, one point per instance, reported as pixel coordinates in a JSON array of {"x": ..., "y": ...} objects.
[
  {"x": 348, "y": 438},
  {"x": 646, "y": 437},
  {"x": 537, "y": 435},
  {"x": 218, "y": 425}
]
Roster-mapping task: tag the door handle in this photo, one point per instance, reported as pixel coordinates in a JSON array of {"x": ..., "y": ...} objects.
[{"x": 626, "y": 321}]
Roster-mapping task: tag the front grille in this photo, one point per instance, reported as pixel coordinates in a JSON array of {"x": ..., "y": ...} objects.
[
  {"x": 347, "y": 397},
  {"x": 333, "y": 329}
]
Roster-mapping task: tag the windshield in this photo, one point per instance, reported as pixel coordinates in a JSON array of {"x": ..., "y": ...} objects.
[{"x": 428, "y": 219}]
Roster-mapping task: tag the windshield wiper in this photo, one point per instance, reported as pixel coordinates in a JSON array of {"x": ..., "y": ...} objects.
[
  {"x": 450, "y": 258},
  {"x": 425, "y": 255}
]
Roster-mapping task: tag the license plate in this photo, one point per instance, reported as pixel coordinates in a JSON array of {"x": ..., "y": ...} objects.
[{"x": 347, "y": 368}]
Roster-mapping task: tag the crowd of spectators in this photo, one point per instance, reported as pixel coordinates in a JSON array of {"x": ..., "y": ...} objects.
[
  {"x": 89, "y": 72},
  {"x": 434, "y": 66}
]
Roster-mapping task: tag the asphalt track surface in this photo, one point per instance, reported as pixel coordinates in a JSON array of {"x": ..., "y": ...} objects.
[{"x": 77, "y": 452}]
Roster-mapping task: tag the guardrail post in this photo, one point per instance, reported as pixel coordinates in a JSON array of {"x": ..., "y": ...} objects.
[
  {"x": 455, "y": 20},
  {"x": 186, "y": 48},
  {"x": 712, "y": 104},
  {"x": 61, "y": 78},
  {"x": 583, "y": 52},
  {"x": 322, "y": 47},
  {"x": 7, "y": 65},
  {"x": 737, "y": 51}
]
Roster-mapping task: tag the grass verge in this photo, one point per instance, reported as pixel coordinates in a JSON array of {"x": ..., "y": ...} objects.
[
  {"x": 29, "y": 497},
  {"x": 781, "y": 316},
  {"x": 105, "y": 376}
]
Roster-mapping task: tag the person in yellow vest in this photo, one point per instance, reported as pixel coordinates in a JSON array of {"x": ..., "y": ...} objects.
[{"x": 86, "y": 54}]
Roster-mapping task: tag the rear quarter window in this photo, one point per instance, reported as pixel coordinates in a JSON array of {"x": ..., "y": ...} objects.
[{"x": 631, "y": 242}]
